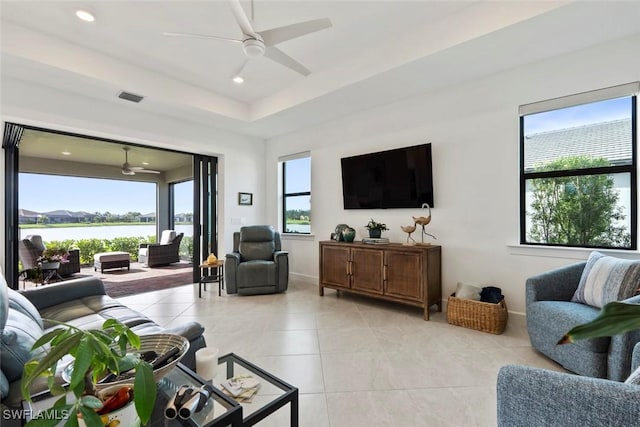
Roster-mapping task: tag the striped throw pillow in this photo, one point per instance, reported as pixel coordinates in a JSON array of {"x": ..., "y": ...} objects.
[{"x": 605, "y": 279}]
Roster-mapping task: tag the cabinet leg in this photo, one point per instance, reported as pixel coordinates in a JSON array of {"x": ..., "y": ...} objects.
[
  {"x": 321, "y": 291},
  {"x": 440, "y": 306},
  {"x": 426, "y": 312}
]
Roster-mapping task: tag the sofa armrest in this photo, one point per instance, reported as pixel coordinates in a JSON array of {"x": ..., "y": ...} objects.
[
  {"x": 189, "y": 330},
  {"x": 281, "y": 259},
  {"x": 232, "y": 261},
  {"x": 556, "y": 285},
  {"x": 536, "y": 397},
  {"x": 635, "y": 358},
  {"x": 58, "y": 293}
]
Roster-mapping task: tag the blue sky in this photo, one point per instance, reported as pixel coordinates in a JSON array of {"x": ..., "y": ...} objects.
[
  {"x": 298, "y": 180},
  {"x": 42, "y": 193},
  {"x": 603, "y": 111}
]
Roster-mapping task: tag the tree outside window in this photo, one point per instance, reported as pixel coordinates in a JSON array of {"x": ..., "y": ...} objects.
[{"x": 578, "y": 176}]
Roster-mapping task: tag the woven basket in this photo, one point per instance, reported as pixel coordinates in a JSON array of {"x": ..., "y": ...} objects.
[{"x": 478, "y": 315}]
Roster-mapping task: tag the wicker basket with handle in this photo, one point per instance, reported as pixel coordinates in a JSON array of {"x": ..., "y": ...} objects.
[{"x": 478, "y": 315}]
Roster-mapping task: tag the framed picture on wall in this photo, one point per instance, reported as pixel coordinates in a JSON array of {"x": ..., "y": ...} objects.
[{"x": 245, "y": 199}]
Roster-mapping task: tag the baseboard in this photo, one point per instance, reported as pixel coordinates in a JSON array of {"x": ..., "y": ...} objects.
[{"x": 304, "y": 278}]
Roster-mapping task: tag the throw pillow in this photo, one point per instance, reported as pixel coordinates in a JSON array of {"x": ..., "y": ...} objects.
[
  {"x": 634, "y": 378},
  {"x": 466, "y": 291},
  {"x": 605, "y": 279}
]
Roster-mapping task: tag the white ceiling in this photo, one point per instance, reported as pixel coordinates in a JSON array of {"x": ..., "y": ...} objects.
[{"x": 377, "y": 52}]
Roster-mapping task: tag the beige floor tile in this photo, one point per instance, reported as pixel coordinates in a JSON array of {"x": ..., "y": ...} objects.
[{"x": 356, "y": 361}]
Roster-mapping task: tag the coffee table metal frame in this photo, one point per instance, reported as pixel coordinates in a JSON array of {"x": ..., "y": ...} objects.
[{"x": 290, "y": 394}]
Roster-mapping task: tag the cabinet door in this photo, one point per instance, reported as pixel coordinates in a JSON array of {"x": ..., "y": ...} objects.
[
  {"x": 334, "y": 266},
  {"x": 366, "y": 270},
  {"x": 403, "y": 272}
]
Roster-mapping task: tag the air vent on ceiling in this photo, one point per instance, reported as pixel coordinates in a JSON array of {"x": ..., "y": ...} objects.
[{"x": 130, "y": 96}]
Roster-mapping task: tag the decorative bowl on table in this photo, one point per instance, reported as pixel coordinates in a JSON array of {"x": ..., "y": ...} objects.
[{"x": 161, "y": 345}]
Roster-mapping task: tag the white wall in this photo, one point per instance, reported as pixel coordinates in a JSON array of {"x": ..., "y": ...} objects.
[
  {"x": 241, "y": 158},
  {"x": 474, "y": 131}
]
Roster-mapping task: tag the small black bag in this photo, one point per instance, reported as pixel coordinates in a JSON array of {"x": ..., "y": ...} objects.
[{"x": 491, "y": 294}]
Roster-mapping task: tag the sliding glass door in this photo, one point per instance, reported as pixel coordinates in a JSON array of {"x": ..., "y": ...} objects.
[{"x": 205, "y": 207}]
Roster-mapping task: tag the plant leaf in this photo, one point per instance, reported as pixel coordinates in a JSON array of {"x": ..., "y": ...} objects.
[
  {"x": 51, "y": 358},
  {"x": 81, "y": 365},
  {"x": 614, "y": 318},
  {"x": 91, "y": 419},
  {"x": 144, "y": 389},
  {"x": 91, "y": 402},
  {"x": 45, "y": 338}
]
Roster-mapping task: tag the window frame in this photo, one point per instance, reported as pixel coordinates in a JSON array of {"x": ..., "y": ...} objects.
[
  {"x": 631, "y": 169},
  {"x": 285, "y": 195}
]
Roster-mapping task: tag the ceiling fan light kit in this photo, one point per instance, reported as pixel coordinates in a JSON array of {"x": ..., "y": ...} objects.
[
  {"x": 256, "y": 44},
  {"x": 127, "y": 169}
]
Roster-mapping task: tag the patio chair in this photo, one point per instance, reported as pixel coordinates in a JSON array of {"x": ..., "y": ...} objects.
[
  {"x": 163, "y": 253},
  {"x": 31, "y": 248}
]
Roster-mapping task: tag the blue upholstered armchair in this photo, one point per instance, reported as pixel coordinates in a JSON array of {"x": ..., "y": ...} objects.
[
  {"x": 537, "y": 397},
  {"x": 550, "y": 314},
  {"x": 257, "y": 265}
]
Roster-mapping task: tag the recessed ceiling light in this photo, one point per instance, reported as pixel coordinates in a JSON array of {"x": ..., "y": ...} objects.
[
  {"x": 85, "y": 16},
  {"x": 66, "y": 153},
  {"x": 238, "y": 79}
]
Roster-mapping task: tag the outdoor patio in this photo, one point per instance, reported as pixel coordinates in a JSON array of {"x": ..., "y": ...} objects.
[{"x": 138, "y": 279}]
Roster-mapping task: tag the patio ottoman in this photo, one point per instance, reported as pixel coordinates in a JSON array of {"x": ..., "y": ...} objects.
[{"x": 107, "y": 260}]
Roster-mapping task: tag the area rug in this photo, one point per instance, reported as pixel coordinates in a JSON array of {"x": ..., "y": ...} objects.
[{"x": 139, "y": 279}]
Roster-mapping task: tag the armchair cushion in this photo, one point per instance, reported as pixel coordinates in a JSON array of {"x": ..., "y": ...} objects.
[
  {"x": 605, "y": 279},
  {"x": 167, "y": 237}
]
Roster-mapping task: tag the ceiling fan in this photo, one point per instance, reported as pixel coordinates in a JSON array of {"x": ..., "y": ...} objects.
[
  {"x": 127, "y": 169},
  {"x": 256, "y": 44}
]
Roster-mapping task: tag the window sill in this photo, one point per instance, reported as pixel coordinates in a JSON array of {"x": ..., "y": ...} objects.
[
  {"x": 295, "y": 236},
  {"x": 568, "y": 253}
]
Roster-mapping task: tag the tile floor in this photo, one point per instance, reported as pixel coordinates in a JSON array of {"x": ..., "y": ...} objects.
[{"x": 356, "y": 361}]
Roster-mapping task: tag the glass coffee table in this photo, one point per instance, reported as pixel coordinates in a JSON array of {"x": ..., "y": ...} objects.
[
  {"x": 272, "y": 395},
  {"x": 220, "y": 410}
]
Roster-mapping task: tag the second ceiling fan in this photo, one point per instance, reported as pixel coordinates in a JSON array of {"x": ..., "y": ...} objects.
[
  {"x": 256, "y": 44},
  {"x": 127, "y": 169}
]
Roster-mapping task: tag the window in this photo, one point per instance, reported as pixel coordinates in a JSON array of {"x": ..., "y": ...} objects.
[
  {"x": 296, "y": 191},
  {"x": 578, "y": 170}
]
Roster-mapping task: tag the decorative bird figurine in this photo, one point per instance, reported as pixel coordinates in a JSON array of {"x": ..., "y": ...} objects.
[
  {"x": 424, "y": 220},
  {"x": 409, "y": 229}
]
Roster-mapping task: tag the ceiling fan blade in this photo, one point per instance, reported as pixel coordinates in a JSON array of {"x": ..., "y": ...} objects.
[
  {"x": 280, "y": 34},
  {"x": 202, "y": 36},
  {"x": 145, "y": 171},
  {"x": 242, "y": 19},
  {"x": 282, "y": 58}
]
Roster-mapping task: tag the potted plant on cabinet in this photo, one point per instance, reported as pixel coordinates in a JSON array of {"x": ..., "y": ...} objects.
[
  {"x": 97, "y": 353},
  {"x": 375, "y": 228}
]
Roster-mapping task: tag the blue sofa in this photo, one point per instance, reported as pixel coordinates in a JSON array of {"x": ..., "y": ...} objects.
[{"x": 550, "y": 314}]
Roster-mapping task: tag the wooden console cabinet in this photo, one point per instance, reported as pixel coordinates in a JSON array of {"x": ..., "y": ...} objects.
[{"x": 401, "y": 273}]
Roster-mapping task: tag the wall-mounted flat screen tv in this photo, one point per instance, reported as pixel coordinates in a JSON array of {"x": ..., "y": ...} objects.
[{"x": 400, "y": 178}]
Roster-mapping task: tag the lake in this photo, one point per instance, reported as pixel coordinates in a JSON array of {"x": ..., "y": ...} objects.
[{"x": 105, "y": 232}]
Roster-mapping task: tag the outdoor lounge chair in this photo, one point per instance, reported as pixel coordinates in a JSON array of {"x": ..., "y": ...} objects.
[
  {"x": 31, "y": 248},
  {"x": 165, "y": 252}
]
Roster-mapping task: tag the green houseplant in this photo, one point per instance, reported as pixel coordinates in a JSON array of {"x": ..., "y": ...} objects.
[
  {"x": 97, "y": 352},
  {"x": 375, "y": 228}
]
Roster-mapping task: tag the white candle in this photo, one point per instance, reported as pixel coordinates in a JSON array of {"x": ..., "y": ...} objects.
[{"x": 207, "y": 362}]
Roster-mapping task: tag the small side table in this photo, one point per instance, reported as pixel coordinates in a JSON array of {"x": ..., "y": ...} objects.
[{"x": 207, "y": 277}]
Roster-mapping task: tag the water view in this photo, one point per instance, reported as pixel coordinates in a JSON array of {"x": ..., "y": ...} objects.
[{"x": 102, "y": 232}]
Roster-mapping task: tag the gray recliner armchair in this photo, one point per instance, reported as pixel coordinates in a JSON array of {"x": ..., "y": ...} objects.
[{"x": 258, "y": 265}]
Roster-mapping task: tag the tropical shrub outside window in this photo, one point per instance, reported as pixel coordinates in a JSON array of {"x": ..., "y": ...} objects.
[
  {"x": 578, "y": 172},
  {"x": 296, "y": 200}
]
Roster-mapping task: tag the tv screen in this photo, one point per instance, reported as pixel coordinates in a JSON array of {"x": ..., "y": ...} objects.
[{"x": 399, "y": 178}]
